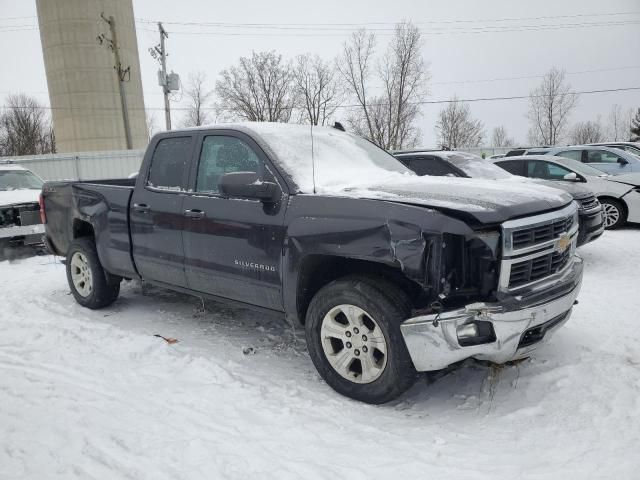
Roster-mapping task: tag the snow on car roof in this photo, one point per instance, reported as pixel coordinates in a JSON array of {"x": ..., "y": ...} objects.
[{"x": 10, "y": 166}]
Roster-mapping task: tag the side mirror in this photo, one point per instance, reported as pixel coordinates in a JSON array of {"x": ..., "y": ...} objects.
[
  {"x": 248, "y": 185},
  {"x": 571, "y": 177},
  {"x": 622, "y": 161}
]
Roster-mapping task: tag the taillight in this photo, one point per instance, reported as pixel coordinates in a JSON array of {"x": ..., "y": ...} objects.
[{"x": 43, "y": 216}]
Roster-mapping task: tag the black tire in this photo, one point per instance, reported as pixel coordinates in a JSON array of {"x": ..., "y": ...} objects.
[
  {"x": 611, "y": 205},
  {"x": 389, "y": 307},
  {"x": 104, "y": 286}
]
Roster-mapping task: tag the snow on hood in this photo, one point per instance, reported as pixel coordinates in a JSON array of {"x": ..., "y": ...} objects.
[
  {"x": 487, "y": 200},
  {"x": 11, "y": 197}
]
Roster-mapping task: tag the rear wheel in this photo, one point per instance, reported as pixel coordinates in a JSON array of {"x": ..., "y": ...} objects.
[
  {"x": 90, "y": 285},
  {"x": 354, "y": 339},
  {"x": 614, "y": 213}
]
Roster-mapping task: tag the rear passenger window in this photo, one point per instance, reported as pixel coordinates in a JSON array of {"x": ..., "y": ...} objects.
[
  {"x": 431, "y": 166},
  {"x": 169, "y": 162},
  {"x": 573, "y": 154},
  {"x": 514, "y": 167},
  {"x": 222, "y": 155}
]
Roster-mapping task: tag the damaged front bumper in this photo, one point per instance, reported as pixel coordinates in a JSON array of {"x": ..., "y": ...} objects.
[{"x": 497, "y": 332}]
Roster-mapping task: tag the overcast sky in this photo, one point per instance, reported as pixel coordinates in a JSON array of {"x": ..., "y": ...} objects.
[{"x": 461, "y": 51}]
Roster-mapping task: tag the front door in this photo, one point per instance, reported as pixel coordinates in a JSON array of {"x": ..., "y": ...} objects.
[
  {"x": 233, "y": 247},
  {"x": 156, "y": 211}
]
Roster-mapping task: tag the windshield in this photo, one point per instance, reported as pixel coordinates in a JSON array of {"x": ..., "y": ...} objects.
[
  {"x": 579, "y": 167},
  {"x": 475, "y": 167},
  {"x": 19, "y": 180},
  {"x": 340, "y": 159}
]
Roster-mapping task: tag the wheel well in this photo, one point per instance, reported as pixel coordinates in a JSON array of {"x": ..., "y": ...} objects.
[
  {"x": 618, "y": 200},
  {"x": 316, "y": 271},
  {"x": 82, "y": 229}
]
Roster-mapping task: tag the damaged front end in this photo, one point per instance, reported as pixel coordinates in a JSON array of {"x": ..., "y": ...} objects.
[
  {"x": 21, "y": 224},
  {"x": 498, "y": 294}
]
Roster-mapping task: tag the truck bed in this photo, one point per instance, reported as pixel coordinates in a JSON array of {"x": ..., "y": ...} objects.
[{"x": 103, "y": 207}]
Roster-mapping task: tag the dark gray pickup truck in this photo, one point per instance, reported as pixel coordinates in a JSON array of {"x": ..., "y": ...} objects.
[{"x": 390, "y": 273}]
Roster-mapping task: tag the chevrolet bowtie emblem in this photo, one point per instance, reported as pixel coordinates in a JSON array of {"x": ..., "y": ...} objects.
[{"x": 563, "y": 243}]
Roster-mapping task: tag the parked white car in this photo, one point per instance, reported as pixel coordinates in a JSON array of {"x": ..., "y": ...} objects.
[
  {"x": 618, "y": 194},
  {"x": 19, "y": 205}
]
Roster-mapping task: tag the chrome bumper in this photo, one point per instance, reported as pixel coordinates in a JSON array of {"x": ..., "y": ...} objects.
[
  {"x": 432, "y": 340},
  {"x": 19, "y": 231}
]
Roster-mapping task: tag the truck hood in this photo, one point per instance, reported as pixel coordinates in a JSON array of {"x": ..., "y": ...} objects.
[
  {"x": 12, "y": 197},
  {"x": 487, "y": 201}
]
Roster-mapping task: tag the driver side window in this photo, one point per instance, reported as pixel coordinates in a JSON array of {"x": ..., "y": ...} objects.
[{"x": 221, "y": 154}]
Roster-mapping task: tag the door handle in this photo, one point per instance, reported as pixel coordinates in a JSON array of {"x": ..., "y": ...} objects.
[
  {"x": 141, "y": 207},
  {"x": 194, "y": 213}
]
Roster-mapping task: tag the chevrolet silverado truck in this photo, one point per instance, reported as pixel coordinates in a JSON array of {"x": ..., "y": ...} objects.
[{"x": 390, "y": 273}]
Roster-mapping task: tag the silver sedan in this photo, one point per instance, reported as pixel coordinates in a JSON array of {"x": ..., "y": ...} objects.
[{"x": 619, "y": 194}]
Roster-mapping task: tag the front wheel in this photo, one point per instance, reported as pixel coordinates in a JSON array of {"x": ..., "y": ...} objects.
[
  {"x": 90, "y": 285},
  {"x": 614, "y": 213},
  {"x": 354, "y": 339}
]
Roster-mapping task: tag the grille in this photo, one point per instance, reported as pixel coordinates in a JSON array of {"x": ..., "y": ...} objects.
[
  {"x": 588, "y": 203},
  {"x": 531, "y": 270},
  {"x": 526, "y": 237}
]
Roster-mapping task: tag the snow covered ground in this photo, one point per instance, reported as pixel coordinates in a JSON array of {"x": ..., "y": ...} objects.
[{"x": 87, "y": 394}]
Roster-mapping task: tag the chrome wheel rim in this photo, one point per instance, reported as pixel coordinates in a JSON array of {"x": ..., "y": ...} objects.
[
  {"x": 611, "y": 215},
  {"x": 354, "y": 344},
  {"x": 81, "y": 274}
]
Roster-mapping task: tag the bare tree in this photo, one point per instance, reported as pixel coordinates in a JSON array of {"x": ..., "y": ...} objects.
[
  {"x": 456, "y": 128},
  {"x": 197, "y": 96},
  {"x": 587, "y": 132},
  {"x": 258, "y": 89},
  {"x": 499, "y": 137},
  {"x": 25, "y": 128},
  {"x": 618, "y": 124},
  {"x": 387, "y": 119},
  {"x": 550, "y": 105},
  {"x": 152, "y": 123},
  {"x": 634, "y": 129},
  {"x": 317, "y": 89}
]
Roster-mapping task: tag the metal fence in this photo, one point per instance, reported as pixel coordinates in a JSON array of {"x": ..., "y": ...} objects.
[{"x": 83, "y": 165}]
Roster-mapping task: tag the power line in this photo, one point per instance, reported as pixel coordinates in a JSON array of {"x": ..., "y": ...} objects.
[
  {"x": 426, "y": 22},
  {"x": 308, "y": 31},
  {"x": 423, "y": 102},
  {"x": 457, "y": 82},
  {"x": 313, "y": 31}
]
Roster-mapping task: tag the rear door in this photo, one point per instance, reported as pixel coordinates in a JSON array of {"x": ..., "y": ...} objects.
[
  {"x": 233, "y": 247},
  {"x": 156, "y": 212}
]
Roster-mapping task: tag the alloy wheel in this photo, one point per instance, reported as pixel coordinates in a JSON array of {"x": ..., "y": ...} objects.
[
  {"x": 611, "y": 214},
  {"x": 81, "y": 274},
  {"x": 354, "y": 344}
]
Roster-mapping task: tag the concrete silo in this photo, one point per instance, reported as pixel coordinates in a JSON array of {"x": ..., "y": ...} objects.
[{"x": 84, "y": 90}]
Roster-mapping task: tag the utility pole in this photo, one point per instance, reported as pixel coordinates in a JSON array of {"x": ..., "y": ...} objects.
[
  {"x": 124, "y": 74},
  {"x": 165, "y": 86}
]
